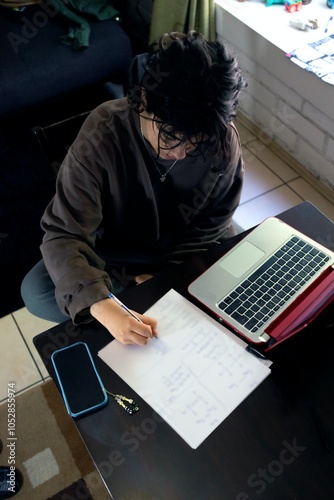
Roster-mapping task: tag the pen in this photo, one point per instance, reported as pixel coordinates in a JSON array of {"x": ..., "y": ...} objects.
[
  {"x": 123, "y": 306},
  {"x": 328, "y": 23}
]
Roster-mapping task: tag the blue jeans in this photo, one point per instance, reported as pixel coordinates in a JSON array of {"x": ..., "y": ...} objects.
[{"x": 38, "y": 294}]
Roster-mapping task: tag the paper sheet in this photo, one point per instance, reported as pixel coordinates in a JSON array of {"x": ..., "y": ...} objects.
[{"x": 194, "y": 375}]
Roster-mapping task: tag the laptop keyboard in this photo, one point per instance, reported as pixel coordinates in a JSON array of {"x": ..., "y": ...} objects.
[{"x": 266, "y": 291}]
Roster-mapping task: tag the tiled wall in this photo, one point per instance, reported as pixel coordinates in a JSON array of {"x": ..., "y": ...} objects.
[{"x": 293, "y": 107}]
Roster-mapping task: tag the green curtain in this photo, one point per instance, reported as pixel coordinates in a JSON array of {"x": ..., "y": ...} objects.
[{"x": 183, "y": 15}]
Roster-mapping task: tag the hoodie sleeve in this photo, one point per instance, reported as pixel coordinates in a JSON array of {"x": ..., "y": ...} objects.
[{"x": 71, "y": 222}]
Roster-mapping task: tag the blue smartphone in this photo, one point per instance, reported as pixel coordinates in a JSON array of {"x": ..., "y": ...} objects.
[{"x": 79, "y": 381}]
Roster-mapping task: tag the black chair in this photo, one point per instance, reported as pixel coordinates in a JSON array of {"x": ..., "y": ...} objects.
[{"x": 55, "y": 139}]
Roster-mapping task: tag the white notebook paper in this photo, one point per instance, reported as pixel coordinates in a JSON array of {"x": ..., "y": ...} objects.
[{"x": 194, "y": 375}]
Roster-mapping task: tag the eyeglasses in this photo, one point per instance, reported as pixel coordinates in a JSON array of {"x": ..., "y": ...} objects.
[{"x": 169, "y": 140}]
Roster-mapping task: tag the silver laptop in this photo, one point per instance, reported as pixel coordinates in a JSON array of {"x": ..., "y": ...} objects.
[{"x": 268, "y": 282}]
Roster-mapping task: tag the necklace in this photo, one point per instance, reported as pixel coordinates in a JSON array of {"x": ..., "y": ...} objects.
[{"x": 162, "y": 176}]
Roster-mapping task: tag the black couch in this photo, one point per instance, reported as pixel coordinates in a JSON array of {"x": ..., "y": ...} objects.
[
  {"x": 43, "y": 82},
  {"x": 37, "y": 69}
]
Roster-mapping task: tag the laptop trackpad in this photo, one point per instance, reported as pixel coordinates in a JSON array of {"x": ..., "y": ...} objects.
[{"x": 242, "y": 259}]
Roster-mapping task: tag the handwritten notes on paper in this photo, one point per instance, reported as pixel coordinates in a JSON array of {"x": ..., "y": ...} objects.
[{"x": 194, "y": 375}]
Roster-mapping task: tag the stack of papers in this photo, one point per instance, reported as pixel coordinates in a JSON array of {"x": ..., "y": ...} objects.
[{"x": 194, "y": 375}]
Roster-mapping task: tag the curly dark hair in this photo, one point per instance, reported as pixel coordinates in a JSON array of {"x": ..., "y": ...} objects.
[{"x": 191, "y": 86}]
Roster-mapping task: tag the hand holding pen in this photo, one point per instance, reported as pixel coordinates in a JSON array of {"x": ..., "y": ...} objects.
[{"x": 124, "y": 325}]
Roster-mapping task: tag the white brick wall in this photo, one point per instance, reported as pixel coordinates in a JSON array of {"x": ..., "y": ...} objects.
[{"x": 293, "y": 107}]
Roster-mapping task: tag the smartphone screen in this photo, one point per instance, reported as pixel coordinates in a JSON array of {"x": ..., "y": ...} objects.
[{"x": 79, "y": 381}]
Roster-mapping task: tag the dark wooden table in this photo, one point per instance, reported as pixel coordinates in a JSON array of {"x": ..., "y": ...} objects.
[{"x": 277, "y": 444}]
